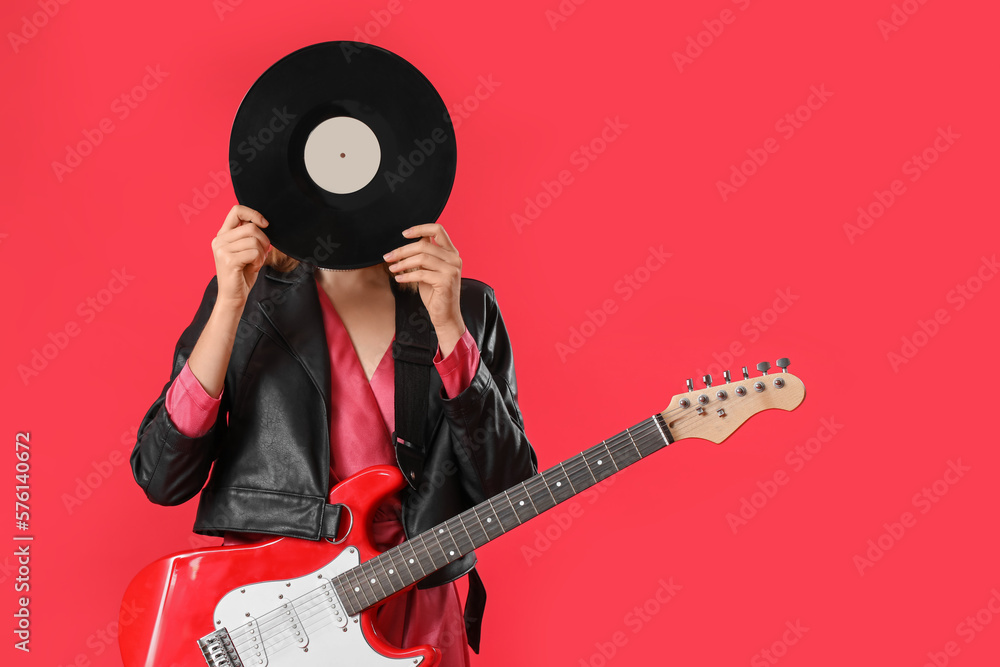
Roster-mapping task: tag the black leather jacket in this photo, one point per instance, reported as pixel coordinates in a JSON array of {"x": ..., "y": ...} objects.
[{"x": 272, "y": 456}]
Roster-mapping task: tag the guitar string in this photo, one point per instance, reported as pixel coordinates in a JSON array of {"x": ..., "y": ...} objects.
[
  {"x": 614, "y": 447},
  {"x": 642, "y": 429},
  {"x": 285, "y": 639},
  {"x": 576, "y": 466}
]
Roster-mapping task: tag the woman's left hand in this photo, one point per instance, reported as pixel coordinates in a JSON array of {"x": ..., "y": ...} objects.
[{"x": 433, "y": 262}]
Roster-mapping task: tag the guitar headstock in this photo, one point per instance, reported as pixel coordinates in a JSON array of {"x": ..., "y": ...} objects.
[{"x": 715, "y": 412}]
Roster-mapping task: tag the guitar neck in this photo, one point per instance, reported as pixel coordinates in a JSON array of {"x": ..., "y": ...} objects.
[{"x": 393, "y": 570}]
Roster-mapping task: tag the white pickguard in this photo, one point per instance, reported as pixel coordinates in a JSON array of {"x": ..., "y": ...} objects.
[{"x": 299, "y": 622}]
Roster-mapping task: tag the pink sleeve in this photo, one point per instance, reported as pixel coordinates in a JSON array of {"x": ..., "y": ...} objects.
[
  {"x": 189, "y": 406},
  {"x": 457, "y": 368}
]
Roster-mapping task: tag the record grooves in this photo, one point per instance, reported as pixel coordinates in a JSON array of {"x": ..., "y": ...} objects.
[{"x": 367, "y": 149}]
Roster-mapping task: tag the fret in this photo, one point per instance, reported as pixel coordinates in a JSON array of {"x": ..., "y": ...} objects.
[
  {"x": 478, "y": 526},
  {"x": 373, "y": 580},
  {"x": 590, "y": 479},
  {"x": 358, "y": 591},
  {"x": 399, "y": 577},
  {"x": 412, "y": 561},
  {"x": 490, "y": 520},
  {"x": 389, "y": 572},
  {"x": 537, "y": 490},
  {"x": 562, "y": 466},
  {"x": 579, "y": 473},
  {"x": 447, "y": 542},
  {"x": 623, "y": 451},
  {"x": 431, "y": 552},
  {"x": 521, "y": 501},
  {"x": 638, "y": 453},
  {"x": 559, "y": 484},
  {"x": 600, "y": 462},
  {"x": 512, "y": 521},
  {"x": 346, "y": 592},
  {"x": 467, "y": 543}
]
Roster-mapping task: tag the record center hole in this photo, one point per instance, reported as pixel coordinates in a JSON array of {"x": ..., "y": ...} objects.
[{"x": 342, "y": 155}]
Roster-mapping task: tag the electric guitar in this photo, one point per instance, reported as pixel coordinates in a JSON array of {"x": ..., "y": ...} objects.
[{"x": 294, "y": 602}]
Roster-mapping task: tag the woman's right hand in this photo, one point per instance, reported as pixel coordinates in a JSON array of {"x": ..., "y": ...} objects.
[{"x": 240, "y": 249}]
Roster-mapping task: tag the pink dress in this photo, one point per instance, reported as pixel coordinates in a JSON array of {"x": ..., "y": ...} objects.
[{"x": 361, "y": 422}]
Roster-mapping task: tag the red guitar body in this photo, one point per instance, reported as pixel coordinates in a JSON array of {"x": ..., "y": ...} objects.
[{"x": 242, "y": 593}]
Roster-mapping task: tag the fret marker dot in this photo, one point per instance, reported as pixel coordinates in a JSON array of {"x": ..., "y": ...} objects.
[
  {"x": 441, "y": 531},
  {"x": 373, "y": 581},
  {"x": 558, "y": 483},
  {"x": 411, "y": 560},
  {"x": 521, "y": 503},
  {"x": 488, "y": 519},
  {"x": 390, "y": 571},
  {"x": 357, "y": 590},
  {"x": 451, "y": 553},
  {"x": 599, "y": 461}
]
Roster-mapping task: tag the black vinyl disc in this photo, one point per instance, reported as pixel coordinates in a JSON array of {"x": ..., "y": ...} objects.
[{"x": 341, "y": 146}]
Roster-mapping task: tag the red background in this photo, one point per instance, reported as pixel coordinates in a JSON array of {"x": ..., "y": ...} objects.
[{"x": 854, "y": 300}]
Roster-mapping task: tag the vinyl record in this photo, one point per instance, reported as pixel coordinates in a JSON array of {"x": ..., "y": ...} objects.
[{"x": 341, "y": 146}]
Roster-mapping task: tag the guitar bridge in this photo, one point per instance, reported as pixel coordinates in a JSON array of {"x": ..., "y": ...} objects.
[{"x": 218, "y": 651}]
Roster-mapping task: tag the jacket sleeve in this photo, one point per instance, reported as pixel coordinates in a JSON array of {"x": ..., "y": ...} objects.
[
  {"x": 170, "y": 466},
  {"x": 486, "y": 423}
]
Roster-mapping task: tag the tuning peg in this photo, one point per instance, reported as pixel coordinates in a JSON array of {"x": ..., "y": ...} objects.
[
  {"x": 783, "y": 364},
  {"x": 746, "y": 374},
  {"x": 725, "y": 374},
  {"x": 707, "y": 379},
  {"x": 763, "y": 366},
  {"x": 690, "y": 385}
]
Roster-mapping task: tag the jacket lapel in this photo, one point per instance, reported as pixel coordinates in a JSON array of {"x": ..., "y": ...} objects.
[{"x": 290, "y": 302}]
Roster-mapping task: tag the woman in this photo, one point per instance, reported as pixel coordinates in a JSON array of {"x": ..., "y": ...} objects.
[{"x": 283, "y": 387}]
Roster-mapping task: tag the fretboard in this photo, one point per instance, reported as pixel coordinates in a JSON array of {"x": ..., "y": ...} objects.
[{"x": 393, "y": 570}]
